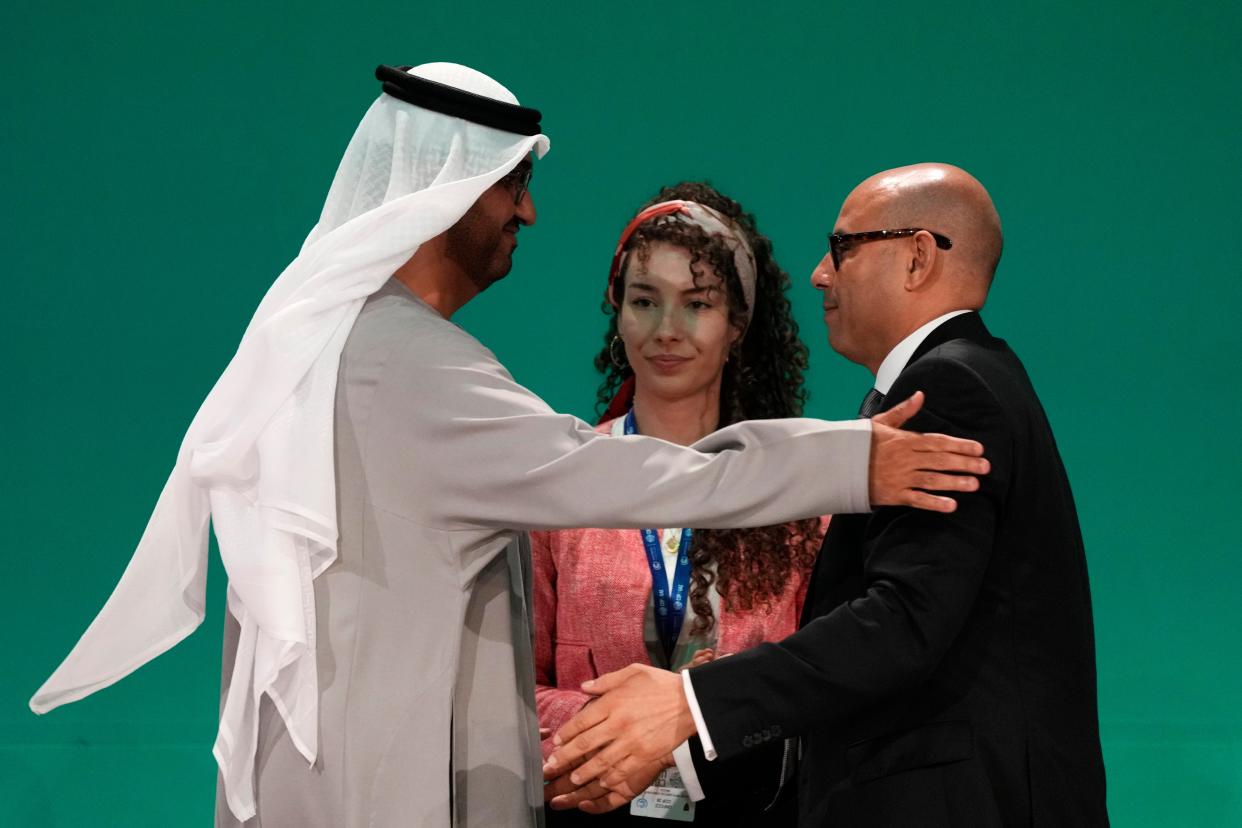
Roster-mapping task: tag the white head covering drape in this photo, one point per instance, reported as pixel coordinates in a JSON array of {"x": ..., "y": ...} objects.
[{"x": 257, "y": 460}]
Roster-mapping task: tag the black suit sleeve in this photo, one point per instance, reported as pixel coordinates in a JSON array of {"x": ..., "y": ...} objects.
[
  {"x": 751, "y": 780},
  {"x": 921, "y": 574}
]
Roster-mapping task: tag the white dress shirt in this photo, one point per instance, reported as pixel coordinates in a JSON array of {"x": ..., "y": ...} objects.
[{"x": 889, "y": 370}]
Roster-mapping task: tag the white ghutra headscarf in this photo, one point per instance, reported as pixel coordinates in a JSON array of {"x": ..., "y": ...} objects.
[{"x": 257, "y": 460}]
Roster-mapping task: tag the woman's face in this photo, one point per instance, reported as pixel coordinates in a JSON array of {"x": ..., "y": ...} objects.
[{"x": 676, "y": 333}]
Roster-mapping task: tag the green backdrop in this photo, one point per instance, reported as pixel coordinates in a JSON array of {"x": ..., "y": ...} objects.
[{"x": 162, "y": 163}]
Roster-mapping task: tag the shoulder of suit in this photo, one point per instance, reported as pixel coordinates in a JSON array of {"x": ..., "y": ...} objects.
[
  {"x": 958, "y": 363},
  {"x": 954, "y": 372},
  {"x": 965, "y": 349}
]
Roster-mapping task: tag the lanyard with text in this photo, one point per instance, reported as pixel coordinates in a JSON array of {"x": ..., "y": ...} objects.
[{"x": 670, "y": 605}]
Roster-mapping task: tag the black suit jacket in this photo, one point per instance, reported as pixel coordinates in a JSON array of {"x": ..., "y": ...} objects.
[{"x": 944, "y": 672}]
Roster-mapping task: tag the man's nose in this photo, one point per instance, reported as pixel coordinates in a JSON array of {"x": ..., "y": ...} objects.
[
  {"x": 525, "y": 211},
  {"x": 823, "y": 273}
]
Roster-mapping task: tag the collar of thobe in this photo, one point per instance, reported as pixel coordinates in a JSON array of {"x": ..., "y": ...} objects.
[{"x": 895, "y": 362}]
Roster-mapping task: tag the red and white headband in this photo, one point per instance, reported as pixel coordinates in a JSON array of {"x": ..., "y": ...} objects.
[{"x": 711, "y": 222}]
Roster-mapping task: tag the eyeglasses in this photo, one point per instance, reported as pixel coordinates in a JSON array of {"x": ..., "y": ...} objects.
[
  {"x": 518, "y": 180},
  {"x": 840, "y": 243}
]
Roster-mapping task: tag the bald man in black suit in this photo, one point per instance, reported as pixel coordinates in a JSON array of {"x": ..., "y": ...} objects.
[{"x": 944, "y": 671}]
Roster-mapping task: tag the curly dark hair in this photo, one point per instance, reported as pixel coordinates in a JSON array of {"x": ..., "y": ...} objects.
[{"x": 762, "y": 379}]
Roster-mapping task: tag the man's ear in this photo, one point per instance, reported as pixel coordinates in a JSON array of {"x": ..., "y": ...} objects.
[{"x": 921, "y": 266}]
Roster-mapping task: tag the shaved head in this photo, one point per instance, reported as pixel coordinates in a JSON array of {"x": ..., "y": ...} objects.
[
  {"x": 945, "y": 199},
  {"x": 878, "y": 289}
]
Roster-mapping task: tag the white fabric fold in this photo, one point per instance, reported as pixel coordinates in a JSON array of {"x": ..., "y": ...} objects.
[{"x": 257, "y": 460}]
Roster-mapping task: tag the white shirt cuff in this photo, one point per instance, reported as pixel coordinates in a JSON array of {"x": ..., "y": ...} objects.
[
  {"x": 708, "y": 749},
  {"x": 685, "y": 767}
]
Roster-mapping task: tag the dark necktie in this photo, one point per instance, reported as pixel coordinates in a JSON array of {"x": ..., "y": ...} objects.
[{"x": 871, "y": 403}]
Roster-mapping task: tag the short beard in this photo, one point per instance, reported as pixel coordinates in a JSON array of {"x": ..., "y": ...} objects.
[{"x": 475, "y": 248}]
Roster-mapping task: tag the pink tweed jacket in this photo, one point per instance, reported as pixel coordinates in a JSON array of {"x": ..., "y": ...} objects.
[{"x": 591, "y": 590}]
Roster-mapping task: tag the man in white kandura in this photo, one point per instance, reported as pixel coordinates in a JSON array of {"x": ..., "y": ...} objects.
[{"x": 370, "y": 468}]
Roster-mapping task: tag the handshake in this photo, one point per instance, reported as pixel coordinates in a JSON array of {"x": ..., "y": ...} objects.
[{"x": 616, "y": 746}]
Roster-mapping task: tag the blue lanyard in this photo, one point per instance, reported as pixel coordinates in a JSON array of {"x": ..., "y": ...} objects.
[{"x": 670, "y": 605}]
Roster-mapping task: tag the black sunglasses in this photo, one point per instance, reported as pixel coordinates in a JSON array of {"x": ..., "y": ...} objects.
[
  {"x": 518, "y": 180},
  {"x": 840, "y": 243}
]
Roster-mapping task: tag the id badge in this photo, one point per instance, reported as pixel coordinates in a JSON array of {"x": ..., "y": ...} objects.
[{"x": 667, "y": 798}]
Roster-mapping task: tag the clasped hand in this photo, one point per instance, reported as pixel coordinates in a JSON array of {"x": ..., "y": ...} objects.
[{"x": 616, "y": 745}]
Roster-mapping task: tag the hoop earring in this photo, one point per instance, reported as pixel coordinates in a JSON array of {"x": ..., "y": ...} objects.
[{"x": 618, "y": 363}]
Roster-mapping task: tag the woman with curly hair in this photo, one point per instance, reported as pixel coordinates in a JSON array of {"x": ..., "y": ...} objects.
[{"x": 700, "y": 336}]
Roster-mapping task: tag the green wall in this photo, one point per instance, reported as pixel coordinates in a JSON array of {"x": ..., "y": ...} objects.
[{"x": 162, "y": 162}]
